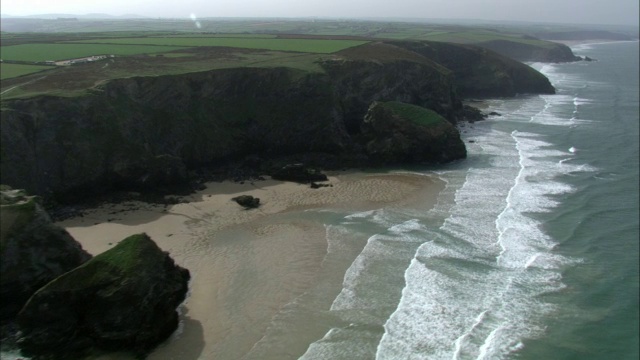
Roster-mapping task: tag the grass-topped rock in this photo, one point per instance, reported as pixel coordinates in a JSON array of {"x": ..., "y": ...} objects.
[
  {"x": 396, "y": 132},
  {"x": 122, "y": 299}
]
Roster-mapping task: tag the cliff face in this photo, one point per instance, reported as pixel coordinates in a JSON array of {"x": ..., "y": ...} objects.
[
  {"x": 147, "y": 131},
  {"x": 122, "y": 299},
  {"x": 397, "y": 132},
  {"x": 33, "y": 251},
  {"x": 482, "y": 73},
  {"x": 554, "y": 52}
]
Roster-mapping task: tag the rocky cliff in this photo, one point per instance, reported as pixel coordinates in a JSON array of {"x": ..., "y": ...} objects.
[
  {"x": 148, "y": 131},
  {"x": 124, "y": 299},
  {"x": 397, "y": 132},
  {"x": 480, "y": 72},
  {"x": 33, "y": 251},
  {"x": 551, "y": 52}
]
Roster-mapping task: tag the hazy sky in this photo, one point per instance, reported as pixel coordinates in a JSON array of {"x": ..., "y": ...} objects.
[{"x": 562, "y": 11}]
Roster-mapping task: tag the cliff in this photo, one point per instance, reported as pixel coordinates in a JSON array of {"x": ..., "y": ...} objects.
[
  {"x": 480, "y": 72},
  {"x": 146, "y": 132},
  {"x": 551, "y": 52},
  {"x": 33, "y": 251},
  {"x": 397, "y": 132},
  {"x": 123, "y": 299}
]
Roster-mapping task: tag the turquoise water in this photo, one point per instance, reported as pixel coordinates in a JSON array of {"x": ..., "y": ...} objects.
[{"x": 532, "y": 250}]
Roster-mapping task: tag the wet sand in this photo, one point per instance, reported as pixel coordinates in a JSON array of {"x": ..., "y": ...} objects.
[{"x": 245, "y": 264}]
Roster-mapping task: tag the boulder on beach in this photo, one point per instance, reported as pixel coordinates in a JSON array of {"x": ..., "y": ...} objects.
[
  {"x": 124, "y": 299},
  {"x": 247, "y": 201},
  {"x": 33, "y": 251}
]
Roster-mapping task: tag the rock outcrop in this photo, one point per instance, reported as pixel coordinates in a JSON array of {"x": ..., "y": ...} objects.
[
  {"x": 396, "y": 133},
  {"x": 124, "y": 299},
  {"x": 33, "y": 251},
  {"x": 247, "y": 201},
  {"x": 521, "y": 51}
]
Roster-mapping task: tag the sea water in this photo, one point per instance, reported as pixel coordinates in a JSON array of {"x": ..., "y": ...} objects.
[{"x": 532, "y": 249}]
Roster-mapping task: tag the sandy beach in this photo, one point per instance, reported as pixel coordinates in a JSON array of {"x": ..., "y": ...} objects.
[{"x": 245, "y": 264}]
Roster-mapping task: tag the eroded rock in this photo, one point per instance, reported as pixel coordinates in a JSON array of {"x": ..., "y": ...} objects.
[
  {"x": 247, "y": 201},
  {"x": 122, "y": 299},
  {"x": 395, "y": 132},
  {"x": 33, "y": 251}
]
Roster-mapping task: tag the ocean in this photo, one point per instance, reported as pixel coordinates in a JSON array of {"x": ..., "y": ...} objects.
[{"x": 531, "y": 251}]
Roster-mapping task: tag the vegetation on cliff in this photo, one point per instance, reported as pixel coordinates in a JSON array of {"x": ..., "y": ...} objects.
[
  {"x": 396, "y": 133},
  {"x": 122, "y": 299}
]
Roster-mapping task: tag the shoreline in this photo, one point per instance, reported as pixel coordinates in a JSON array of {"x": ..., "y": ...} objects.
[{"x": 245, "y": 264}]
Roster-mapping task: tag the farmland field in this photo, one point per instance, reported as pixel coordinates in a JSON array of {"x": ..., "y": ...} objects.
[
  {"x": 300, "y": 45},
  {"x": 8, "y": 71},
  {"x": 56, "y": 51},
  {"x": 475, "y": 37}
]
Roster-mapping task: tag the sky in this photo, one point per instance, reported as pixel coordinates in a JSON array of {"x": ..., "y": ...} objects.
[{"x": 623, "y": 12}]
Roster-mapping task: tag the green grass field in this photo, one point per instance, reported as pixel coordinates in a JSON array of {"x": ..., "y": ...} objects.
[
  {"x": 318, "y": 46},
  {"x": 251, "y": 36},
  {"x": 57, "y": 51},
  {"x": 8, "y": 71}
]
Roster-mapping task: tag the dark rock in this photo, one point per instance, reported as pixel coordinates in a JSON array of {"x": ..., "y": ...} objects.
[
  {"x": 318, "y": 186},
  {"x": 403, "y": 133},
  {"x": 471, "y": 114},
  {"x": 33, "y": 251},
  {"x": 247, "y": 201},
  {"x": 493, "y": 113},
  {"x": 124, "y": 299},
  {"x": 586, "y": 58},
  {"x": 298, "y": 173}
]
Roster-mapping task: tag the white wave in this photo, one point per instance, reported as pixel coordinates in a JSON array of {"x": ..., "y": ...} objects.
[{"x": 471, "y": 292}]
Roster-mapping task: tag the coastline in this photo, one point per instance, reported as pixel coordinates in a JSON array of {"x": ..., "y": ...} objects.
[
  {"x": 245, "y": 264},
  {"x": 573, "y": 43}
]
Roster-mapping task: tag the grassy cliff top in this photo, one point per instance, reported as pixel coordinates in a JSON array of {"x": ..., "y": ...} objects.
[
  {"x": 135, "y": 255},
  {"x": 414, "y": 113}
]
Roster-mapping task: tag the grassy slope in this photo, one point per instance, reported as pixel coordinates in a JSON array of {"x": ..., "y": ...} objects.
[
  {"x": 417, "y": 114},
  {"x": 298, "y": 45},
  {"x": 45, "y": 52},
  {"x": 8, "y": 71}
]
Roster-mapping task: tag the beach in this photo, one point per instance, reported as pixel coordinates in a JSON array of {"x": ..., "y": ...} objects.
[{"x": 246, "y": 265}]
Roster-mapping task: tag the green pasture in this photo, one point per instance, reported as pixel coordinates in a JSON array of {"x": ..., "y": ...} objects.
[
  {"x": 251, "y": 36},
  {"x": 318, "y": 46},
  {"x": 8, "y": 71},
  {"x": 58, "y": 51}
]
